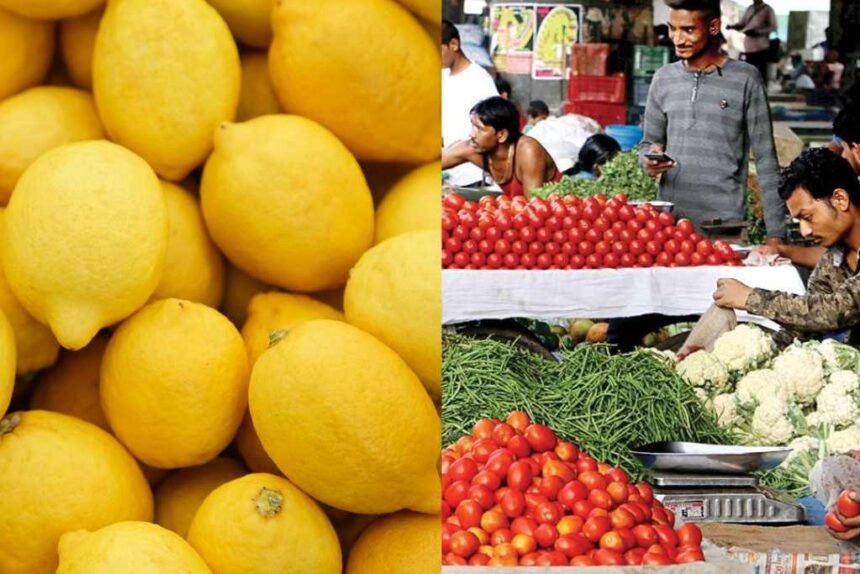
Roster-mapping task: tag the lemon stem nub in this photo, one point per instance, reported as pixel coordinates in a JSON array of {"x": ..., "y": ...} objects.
[
  {"x": 276, "y": 336},
  {"x": 268, "y": 502},
  {"x": 8, "y": 423}
]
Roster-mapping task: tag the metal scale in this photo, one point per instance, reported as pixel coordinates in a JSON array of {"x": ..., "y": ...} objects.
[{"x": 714, "y": 483}]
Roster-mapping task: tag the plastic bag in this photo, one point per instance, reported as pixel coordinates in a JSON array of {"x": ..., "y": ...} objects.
[
  {"x": 833, "y": 474},
  {"x": 562, "y": 137},
  {"x": 713, "y": 323}
]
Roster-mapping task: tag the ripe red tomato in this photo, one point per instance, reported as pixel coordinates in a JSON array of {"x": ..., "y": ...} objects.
[
  {"x": 622, "y": 518},
  {"x": 510, "y": 261},
  {"x": 502, "y": 433},
  {"x": 543, "y": 234},
  {"x": 463, "y": 469},
  {"x": 666, "y": 535},
  {"x": 689, "y": 556},
  {"x": 550, "y": 486},
  {"x": 652, "y": 558},
  {"x": 634, "y": 556},
  {"x": 520, "y": 475},
  {"x": 453, "y": 200},
  {"x": 469, "y": 513},
  {"x": 687, "y": 247},
  {"x": 513, "y": 503},
  {"x": 591, "y": 213},
  {"x": 613, "y": 541},
  {"x": 833, "y": 523},
  {"x": 493, "y": 520},
  {"x": 601, "y": 499},
  {"x": 592, "y": 480},
  {"x": 544, "y": 261},
  {"x": 611, "y": 260},
  {"x": 595, "y": 527},
  {"x": 457, "y": 493},
  {"x": 524, "y": 544},
  {"x": 545, "y": 535},
  {"x": 689, "y": 533},
  {"x": 685, "y": 226},
  {"x": 572, "y": 545},
  {"x": 528, "y": 261},
  {"x": 552, "y": 248},
  {"x": 464, "y": 543},
  {"x": 501, "y": 536},
  {"x": 548, "y": 513},
  {"x": 681, "y": 260},
  {"x": 848, "y": 507},
  {"x": 524, "y": 525},
  {"x": 671, "y": 247}
]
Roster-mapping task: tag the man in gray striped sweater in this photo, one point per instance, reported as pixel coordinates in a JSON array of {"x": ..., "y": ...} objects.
[{"x": 705, "y": 112}]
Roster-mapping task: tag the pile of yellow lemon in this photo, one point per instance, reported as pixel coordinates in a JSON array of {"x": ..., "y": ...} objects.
[{"x": 219, "y": 286}]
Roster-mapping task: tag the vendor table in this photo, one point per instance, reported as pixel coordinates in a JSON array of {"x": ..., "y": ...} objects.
[{"x": 469, "y": 295}]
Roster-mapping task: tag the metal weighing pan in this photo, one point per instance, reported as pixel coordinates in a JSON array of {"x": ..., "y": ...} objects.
[
  {"x": 693, "y": 457},
  {"x": 476, "y": 193},
  {"x": 667, "y": 206}
]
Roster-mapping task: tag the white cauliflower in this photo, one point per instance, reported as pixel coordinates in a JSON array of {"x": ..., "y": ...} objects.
[
  {"x": 743, "y": 348},
  {"x": 802, "y": 372},
  {"x": 755, "y": 386},
  {"x": 844, "y": 440},
  {"x": 848, "y": 379},
  {"x": 837, "y": 356},
  {"x": 725, "y": 407},
  {"x": 702, "y": 395},
  {"x": 702, "y": 369},
  {"x": 836, "y": 402},
  {"x": 770, "y": 422}
]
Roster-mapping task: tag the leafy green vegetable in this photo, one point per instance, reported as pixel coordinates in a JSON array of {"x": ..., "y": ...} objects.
[
  {"x": 604, "y": 403},
  {"x": 622, "y": 174}
]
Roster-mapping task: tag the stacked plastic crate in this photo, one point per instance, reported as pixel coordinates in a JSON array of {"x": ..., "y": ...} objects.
[
  {"x": 591, "y": 92},
  {"x": 646, "y": 61}
]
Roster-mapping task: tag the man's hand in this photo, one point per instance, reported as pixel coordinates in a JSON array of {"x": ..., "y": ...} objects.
[
  {"x": 731, "y": 294},
  {"x": 767, "y": 250},
  {"x": 853, "y": 524},
  {"x": 654, "y": 167}
]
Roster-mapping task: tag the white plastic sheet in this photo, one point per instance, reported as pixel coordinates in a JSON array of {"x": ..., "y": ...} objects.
[{"x": 469, "y": 295}]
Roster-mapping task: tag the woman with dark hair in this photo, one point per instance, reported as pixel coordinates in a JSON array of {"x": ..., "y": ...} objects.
[
  {"x": 517, "y": 163},
  {"x": 596, "y": 151}
]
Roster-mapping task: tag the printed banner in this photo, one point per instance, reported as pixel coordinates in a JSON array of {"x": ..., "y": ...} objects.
[
  {"x": 512, "y": 41},
  {"x": 558, "y": 28}
]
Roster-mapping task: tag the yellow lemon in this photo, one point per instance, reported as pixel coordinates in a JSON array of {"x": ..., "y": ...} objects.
[
  {"x": 390, "y": 80},
  {"x": 257, "y": 97},
  {"x": 346, "y": 420},
  {"x": 239, "y": 287},
  {"x": 304, "y": 211},
  {"x": 40, "y": 119},
  {"x": 193, "y": 268},
  {"x": 130, "y": 548},
  {"x": 72, "y": 385},
  {"x": 411, "y": 205},
  {"x": 174, "y": 383},
  {"x": 393, "y": 294},
  {"x": 427, "y": 9},
  {"x": 35, "y": 344},
  {"x": 251, "y": 449},
  {"x": 83, "y": 211},
  {"x": 249, "y": 20},
  {"x": 50, "y": 9},
  {"x": 272, "y": 315},
  {"x": 27, "y": 47},
  {"x": 7, "y": 363},
  {"x": 403, "y": 543},
  {"x": 165, "y": 74},
  {"x": 77, "y": 40},
  {"x": 262, "y": 523},
  {"x": 183, "y": 491},
  {"x": 60, "y": 474}
]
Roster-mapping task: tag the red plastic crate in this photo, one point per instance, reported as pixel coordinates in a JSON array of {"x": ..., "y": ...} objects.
[
  {"x": 603, "y": 89},
  {"x": 604, "y": 114},
  {"x": 589, "y": 59}
]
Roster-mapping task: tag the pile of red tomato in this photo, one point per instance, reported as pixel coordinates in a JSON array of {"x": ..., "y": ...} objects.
[
  {"x": 570, "y": 233},
  {"x": 513, "y": 494},
  {"x": 847, "y": 508}
]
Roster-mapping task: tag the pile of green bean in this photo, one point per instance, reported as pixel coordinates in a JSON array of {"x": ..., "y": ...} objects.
[{"x": 604, "y": 403}]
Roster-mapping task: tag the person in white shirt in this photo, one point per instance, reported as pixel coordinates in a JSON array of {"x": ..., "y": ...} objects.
[
  {"x": 464, "y": 84},
  {"x": 757, "y": 23}
]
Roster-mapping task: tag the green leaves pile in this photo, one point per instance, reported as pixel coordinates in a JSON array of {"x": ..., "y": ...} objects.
[{"x": 622, "y": 174}]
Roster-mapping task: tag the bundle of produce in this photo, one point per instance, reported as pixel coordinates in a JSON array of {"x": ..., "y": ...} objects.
[
  {"x": 514, "y": 494},
  {"x": 605, "y": 403},
  {"x": 570, "y": 233},
  {"x": 621, "y": 174},
  {"x": 806, "y": 397}
]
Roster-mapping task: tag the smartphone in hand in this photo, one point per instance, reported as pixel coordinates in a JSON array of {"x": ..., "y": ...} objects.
[{"x": 661, "y": 157}]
